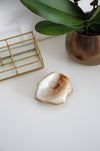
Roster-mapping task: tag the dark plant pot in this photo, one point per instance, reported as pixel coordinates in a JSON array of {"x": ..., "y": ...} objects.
[{"x": 83, "y": 49}]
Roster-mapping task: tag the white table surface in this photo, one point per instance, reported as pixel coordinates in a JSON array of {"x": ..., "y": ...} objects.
[{"x": 28, "y": 125}]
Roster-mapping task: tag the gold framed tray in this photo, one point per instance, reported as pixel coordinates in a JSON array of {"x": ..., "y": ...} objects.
[{"x": 19, "y": 54}]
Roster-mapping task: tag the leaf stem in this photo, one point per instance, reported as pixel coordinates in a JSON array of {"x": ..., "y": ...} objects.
[{"x": 96, "y": 12}]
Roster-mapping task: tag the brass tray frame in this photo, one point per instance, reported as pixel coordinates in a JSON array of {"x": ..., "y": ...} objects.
[{"x": 8, "y": 44}]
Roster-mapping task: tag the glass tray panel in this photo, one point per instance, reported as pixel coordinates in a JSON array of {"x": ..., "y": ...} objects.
[
  {"x": 7, "y": 75},
  {"x": 30, "y": 67},
  {"x": 18, "y": 55}
]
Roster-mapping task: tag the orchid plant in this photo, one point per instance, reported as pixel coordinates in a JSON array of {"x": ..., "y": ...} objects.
[{"x": 65, "y": 16}]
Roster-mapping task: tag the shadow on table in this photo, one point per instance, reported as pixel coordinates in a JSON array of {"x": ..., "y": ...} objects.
[{"x": 26, "y": 84}]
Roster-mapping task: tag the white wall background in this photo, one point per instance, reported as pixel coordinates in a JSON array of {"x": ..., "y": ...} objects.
[{"x": 15, "y": 18}]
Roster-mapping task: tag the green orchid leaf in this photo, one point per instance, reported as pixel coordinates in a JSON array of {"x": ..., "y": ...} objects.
[
  {"x": 51, "y": 14},
  {"x": 90, "y": 14},
  {"x": 78, "y": 27},
  {"x": 49, "y": 28},
  {"x": 64, "y": 6},
  {"x": 96, "y": 27},
  {"x": 95, "y": 18}
]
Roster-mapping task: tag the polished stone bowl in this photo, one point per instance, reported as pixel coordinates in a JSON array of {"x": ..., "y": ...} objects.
[{"x": 83, "y": 49}]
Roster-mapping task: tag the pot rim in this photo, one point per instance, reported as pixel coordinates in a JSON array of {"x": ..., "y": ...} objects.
[{"x": 86, "y": 35}]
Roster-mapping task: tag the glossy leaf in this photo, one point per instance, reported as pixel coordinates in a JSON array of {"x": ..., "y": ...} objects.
[
  {"x": 64, "y": 6},
  {"x": 51, "y": 14},
  {"x": 78, "y": 27},
  {"x": 90, "y": 14},
  {"x": 49, "y": 28},
  {"x": 96, "y": 27},
  {"x": 95, "y": 18}
]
